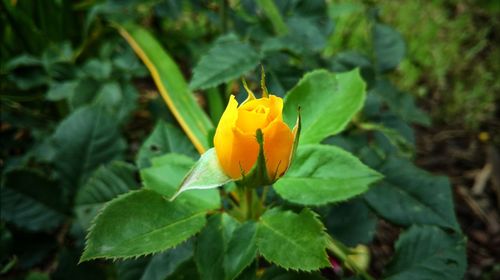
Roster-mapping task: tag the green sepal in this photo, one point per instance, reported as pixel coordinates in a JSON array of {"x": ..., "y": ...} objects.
[
  {"x": 205, "y": 174},
  {"x": 250, "y": 94},
  {"x": 257, "y": 176},
  {"x": 265, "y": 92},
  {"x": 296, "y": 136}
]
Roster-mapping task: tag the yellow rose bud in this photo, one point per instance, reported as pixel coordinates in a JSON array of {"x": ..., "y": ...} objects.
[{"x": 235, "y": 138}]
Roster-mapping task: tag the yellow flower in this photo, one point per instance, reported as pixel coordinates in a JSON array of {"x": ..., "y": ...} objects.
[{"x": 235, "y": 138}]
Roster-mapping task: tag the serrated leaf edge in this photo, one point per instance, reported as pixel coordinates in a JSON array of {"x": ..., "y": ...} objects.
[
  {"x": 135, "y": 256},
  {"x": 323, "y": 232}
]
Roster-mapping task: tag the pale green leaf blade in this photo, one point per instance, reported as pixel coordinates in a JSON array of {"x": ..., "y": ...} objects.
[
  {"x": 389, "y": 47},
  {"x": 165, "y": 138},
  {"x": 171, "y": 84},
  {"x": 227, "y": 60},
  {"x": 427, "y": 252},
  {"x": 141, "y": 223},
  {"x": 212, "y": 244},
  {"x": 409, "y": 195},
  {"x": 106, "y": 183},
  {"x": 292, "y": 241},
  {"x": 327, "y": 100},
  {"x": 167, "y": 174},
  {"x": 205, "y": 174},
  {"x": 323, "y": 174},
  {"x": 86, "y": 139},
  {"x": 241, "y": 250}
]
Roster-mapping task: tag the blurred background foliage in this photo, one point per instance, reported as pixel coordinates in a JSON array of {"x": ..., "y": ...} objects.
[{"x": 74, "y": 96}]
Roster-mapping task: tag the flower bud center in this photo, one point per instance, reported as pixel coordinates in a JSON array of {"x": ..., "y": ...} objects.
[
  {"x": 250, "y": 119},
  {"x": 261, "y": 109}
]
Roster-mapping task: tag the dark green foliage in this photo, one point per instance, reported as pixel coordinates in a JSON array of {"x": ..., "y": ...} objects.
[
  {"x": 352, "y": 222},
  {"x": 408, "y": 195},
  {"x": 31, "y": 201},
  {"x": 86, "y": 148},
  {"x": 427, "y": 252}
]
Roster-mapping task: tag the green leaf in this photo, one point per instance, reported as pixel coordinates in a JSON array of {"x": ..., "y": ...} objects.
[
  {"x": 118, "y": 99},
  {"x": 205, "y": 174},
  {"x": 32, "y": 40},
  {"x": 389, "y": 47},
  {"x": 106, "y": 183},
  {"x": 171, "y": 84},
  {"x": 59, "y": 91},
  {"x": 328, "y": 101},
  {"x": 165, "y": 138},
  {"x": 274, "y": 16},
  {"x": 186, "y": 271},
  {"x": 323, "y": 174},
  {"x": 241, "y": 250},
  {"x": 88, "y": 138},
  {"x": 401, "y": 103},
  {"x": 167, "y": 174},
  {"x": 141, "y": 223},
  {"x": 403, "y": 146},
  {"x": 227, "y": 60},
  {"x": 69, "y": 268},
  {"x": 292, "y": 241},
  {"x": 348, "y": 60},
  {"x": 132, "y": 269},
  {"x": 216, "y": 104},
  {"x": 84, "y": 93},
  {"x": 31, "y": 201},
  {"x": 351, "y": 222},
  {"x": 306, "y": 36},
  {"x": 99, "y": 70},
  {"x": 427, "y": 252},
  {"x": 212, "y": 244},
  {"x": 409, "y": 195},
  {"x": 159, "y": 266},
  {"x": 277, "y": 273},
  {"x": 163, "y": 265}
]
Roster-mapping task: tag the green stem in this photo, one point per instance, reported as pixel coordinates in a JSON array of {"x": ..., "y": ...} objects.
[
  {"x": 223, "y": 15},
  {"x": 249, "y": 203},
  {"x": 274, "y": 16},
  {"x": 340, "y": 251},
  {"x": 263, "y": 196}
]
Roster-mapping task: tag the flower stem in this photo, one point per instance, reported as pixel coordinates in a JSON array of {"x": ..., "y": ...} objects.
[
  {"x": 249, "y": 202},
  {"x": 264, "y": 196}
]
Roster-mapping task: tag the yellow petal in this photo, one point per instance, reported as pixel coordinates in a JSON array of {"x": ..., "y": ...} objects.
[
  {"x": 250, "y": 120},
  {"x": 278, "y": 144},
  {"x": 224, "y": 139},
  {"x": 276, "y": 107},
  {"x": 245, "y": 153}
]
